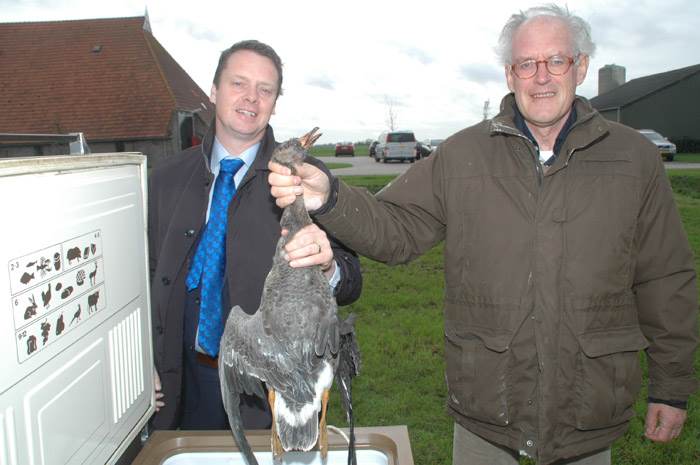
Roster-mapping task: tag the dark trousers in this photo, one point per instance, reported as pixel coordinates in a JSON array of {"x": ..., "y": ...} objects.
[{"x": 202, "y": 404}]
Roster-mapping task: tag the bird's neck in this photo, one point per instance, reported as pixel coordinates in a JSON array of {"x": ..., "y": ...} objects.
[{"x": 295, "y": 217}]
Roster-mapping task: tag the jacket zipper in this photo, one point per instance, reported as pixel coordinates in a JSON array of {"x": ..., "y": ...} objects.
[
  {"x": 538, "y": 165},
  {"x": 500, "y": 127}
]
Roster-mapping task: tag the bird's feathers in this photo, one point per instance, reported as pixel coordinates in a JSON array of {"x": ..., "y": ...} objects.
[{"x": 290, "y": 345}]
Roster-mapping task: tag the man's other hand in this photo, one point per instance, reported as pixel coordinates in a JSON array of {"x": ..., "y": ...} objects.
[
  {"x": 310, "y": 246},
  {"x": 663, "y": 422},
  {"x": 159, "y": 391}
]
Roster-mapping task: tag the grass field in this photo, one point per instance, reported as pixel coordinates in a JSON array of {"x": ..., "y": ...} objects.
[
  {"x": 400, "y": 329},
  {"x": 687, "y": 157}
]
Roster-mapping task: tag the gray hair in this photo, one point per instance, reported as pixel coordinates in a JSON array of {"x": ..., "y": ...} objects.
[{"x": 580, "y": 30}]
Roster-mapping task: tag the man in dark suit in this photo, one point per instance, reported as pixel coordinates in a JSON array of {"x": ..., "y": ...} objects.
[{"x": 246, "y": 85}]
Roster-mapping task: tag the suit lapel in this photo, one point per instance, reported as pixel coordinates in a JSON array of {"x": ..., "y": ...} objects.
[{"x": 185, "y": 226}]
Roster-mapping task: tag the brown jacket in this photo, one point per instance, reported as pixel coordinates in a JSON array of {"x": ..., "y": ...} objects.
[{"x": 553, "y": 281}]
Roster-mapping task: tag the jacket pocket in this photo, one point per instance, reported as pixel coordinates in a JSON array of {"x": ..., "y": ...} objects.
[
  {"x": 477, "y": 361},
  {"x": 608, "y": 376}
]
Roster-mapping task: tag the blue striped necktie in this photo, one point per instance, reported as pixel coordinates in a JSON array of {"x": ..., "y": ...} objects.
[{"x": 207, "y": 270}]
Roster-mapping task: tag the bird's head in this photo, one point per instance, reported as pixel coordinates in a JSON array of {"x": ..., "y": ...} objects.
[{"x": 293, "y": 152}]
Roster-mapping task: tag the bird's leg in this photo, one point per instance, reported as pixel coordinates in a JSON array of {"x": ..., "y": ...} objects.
[
  {"x": 323, "y": 433},
  {"x": 276, "y": 445}
]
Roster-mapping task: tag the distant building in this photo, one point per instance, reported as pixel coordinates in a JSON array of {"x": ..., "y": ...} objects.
[
  {"x": 610, "y": 77},
  {"x": 107, "y": 78},
  {"x": 666, "y": 102}
]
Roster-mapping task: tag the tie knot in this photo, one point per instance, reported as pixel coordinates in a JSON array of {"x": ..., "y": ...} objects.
[{"x": 230, "y": 165}]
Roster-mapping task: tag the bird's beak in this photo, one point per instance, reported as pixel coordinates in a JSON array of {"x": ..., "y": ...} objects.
[{"x": 308, "y": 139}]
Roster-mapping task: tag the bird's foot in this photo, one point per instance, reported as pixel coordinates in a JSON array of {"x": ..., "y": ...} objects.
[
  {"x": 323, "y": 427},
  {"x": 276, "y": 444}
]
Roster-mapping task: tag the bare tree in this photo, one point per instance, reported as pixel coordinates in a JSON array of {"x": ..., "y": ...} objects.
[
  {"x": 487, "y": 103},
  {"x": 391, "y": 113}
]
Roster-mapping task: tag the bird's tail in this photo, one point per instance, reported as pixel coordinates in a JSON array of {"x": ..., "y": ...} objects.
[
  {"x": 302, "y": 435},
  {"x": 348, "y": 368},
  {"x": 231, "y": 402}
]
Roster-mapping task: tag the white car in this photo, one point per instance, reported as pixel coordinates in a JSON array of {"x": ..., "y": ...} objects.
[
  {"x": 396, "y": 145},
  {"x": 434, "y": 143},
  {"x": 667, "y": 149}
]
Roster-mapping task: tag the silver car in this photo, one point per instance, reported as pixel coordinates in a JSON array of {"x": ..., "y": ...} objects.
[{"x": 667, "y": 149}]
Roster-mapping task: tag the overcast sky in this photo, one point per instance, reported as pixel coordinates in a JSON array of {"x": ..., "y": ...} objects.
[{"x": 434, "y": 60}]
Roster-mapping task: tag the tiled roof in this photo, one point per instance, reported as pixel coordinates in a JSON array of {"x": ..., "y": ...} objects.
[
  {"x": 641, "y": 87},
  {"x": 107, "y": 78}
]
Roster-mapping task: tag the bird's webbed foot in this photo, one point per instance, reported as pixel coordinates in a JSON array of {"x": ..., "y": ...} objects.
[{"x": 276, "y": 444}]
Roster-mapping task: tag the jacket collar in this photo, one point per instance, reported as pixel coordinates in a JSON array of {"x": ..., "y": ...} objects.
[
  {"x": 588, "y": 127},
  {"x": 267, "y": 145},
  {"x": 521, "y": 125}
]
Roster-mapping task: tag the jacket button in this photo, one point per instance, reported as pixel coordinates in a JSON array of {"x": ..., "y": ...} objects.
[
  {"x": 189, "y": 233},
  {"x": 159, "y": 329},
  {"x": 165, "y": 281}
]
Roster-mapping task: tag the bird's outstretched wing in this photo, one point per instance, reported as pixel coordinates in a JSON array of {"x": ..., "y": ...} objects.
[
  {"x": 249, "y": 357},
  {"x": 253, "y": 356},
  {"x": 234, "y": 377},
  {"x": 231, "y": 399}
]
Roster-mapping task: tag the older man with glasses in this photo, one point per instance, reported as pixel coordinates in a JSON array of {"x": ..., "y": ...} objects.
[{"x": 564, "y": 258}]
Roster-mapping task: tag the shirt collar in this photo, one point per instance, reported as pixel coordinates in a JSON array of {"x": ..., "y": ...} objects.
[
  {"x": 561, "y": 137},
  {"x": 218, "y": 153}
]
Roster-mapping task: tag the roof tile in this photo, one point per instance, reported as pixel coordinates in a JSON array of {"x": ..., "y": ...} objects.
[{"x": 107, "y": 78}]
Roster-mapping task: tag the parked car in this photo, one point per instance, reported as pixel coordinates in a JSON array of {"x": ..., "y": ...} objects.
[
  {"x": 373, "y": 148},
  {"x": 396, "y": 145},
  {"x": 434, "y": 144},
  {"x": 344, "y": 148},
  {"x": 667, "y": 149},
  {"x": 422, "y": 150}
]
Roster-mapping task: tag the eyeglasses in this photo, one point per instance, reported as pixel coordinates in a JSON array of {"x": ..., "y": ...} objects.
[{"x": 556, "y": 66}]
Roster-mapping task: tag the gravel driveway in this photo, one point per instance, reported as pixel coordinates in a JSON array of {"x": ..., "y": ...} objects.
[{"x": 366, "y": 166}]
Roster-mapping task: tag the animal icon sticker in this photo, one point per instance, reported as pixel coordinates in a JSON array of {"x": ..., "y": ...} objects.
[
  {"x": 76, "y": 316},
  {"x": 30, "y": 311},
  {"x": 55, "y": 290},
  {"x": 31, "y": 269},
  {"x": 28, "y": 270},
  {"x": 50, "y": 295},
  {"x": 54, "y": 325}
]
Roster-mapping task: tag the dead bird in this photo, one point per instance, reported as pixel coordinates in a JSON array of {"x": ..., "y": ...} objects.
[{"x": 290, "y": 346}]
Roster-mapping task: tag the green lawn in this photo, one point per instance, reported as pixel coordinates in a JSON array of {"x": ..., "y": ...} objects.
[
  {"x": 687, "y": 157},
  {"x": 400, "y": 329}
]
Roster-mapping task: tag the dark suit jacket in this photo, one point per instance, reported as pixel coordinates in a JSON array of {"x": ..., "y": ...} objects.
[{"x": 177, "y": 203}]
